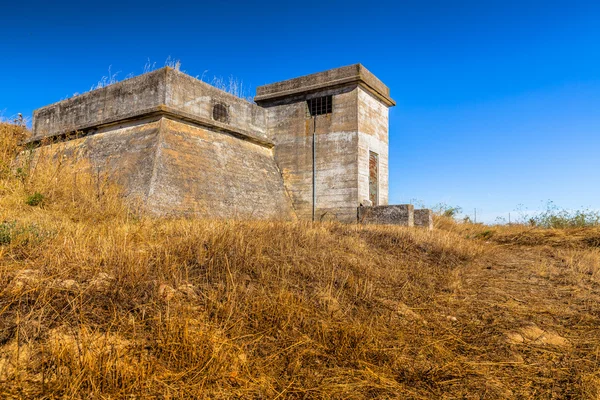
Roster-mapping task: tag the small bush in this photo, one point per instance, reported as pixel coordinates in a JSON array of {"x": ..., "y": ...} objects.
[
  {"x": 446, "y": 210},
  {"x": 35, "y": 199},
  {"x": 485, "y": 234},
  {"x": 6, "y": 229},
  {"x": 10, "y": 231}
]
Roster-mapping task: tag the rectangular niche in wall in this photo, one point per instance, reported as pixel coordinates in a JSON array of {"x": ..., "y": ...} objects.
[{"x": 374, "y": 178}]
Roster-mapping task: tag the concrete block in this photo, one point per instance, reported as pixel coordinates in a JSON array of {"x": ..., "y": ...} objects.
[
  {"x": 402, "y": 214},
  {"x": 424, "y": 218}
]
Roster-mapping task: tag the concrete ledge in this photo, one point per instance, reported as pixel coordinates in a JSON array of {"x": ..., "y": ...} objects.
[
  {"x": 424, "y": 218},
  {"x": 123, "y": 100},
  {"x": 387, "y": 215},
  {"x": 142, "y": 115},
  {"x": 352, "y": 74}
]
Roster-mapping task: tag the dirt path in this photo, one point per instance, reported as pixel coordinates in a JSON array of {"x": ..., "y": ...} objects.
[{"x": 533, "y": 321}]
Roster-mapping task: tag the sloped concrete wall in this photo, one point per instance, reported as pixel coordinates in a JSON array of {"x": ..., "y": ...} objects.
[
  {"x": 199, "y": 171},
  {"x": 125, "y": 154}
]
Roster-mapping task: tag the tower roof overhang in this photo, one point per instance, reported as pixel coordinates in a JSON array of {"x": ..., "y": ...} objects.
[{"x": 337, "y": 77}]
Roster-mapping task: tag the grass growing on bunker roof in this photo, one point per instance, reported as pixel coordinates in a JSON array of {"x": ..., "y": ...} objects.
[{"x": 98, "y": 300}]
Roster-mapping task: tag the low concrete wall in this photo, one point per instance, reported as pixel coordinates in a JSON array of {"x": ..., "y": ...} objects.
[
  {"x": 402, "y": 214},
  {"x": 424, "y": 218}
]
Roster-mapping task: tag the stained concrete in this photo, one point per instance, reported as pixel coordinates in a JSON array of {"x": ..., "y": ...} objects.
[
  {"x": 164, "y": 92},
  {"x": 333, "y": 78},
  {"x": 358, "y": 123},
  {"x": 199, "y": 171},
  {"x": 424, "y": 218},
  {"x": 336, "y": 141},
  {"x": 402, "y": 214},
  {"x": 372, "y": 136}
]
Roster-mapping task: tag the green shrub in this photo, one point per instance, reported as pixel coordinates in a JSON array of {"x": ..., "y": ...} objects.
[
  {"x": 10, "y": 231},
  {"x": 6, "y": 231},
  {"x": 35, "y": 199}
]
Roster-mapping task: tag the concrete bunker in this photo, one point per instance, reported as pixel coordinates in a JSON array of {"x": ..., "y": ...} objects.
[{"x": 314, "y": 147}]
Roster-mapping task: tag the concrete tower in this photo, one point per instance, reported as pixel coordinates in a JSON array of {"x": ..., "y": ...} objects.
[{"x": 344, "y": 111}]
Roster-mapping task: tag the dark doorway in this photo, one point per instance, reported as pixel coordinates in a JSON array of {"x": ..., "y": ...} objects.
[{"x": 374, "y": 178}]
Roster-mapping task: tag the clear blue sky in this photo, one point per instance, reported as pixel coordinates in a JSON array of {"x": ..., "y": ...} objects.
[{"x": 498, "y": 101}]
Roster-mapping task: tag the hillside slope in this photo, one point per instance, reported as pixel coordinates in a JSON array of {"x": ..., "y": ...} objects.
[{"x": 99, "y": 301}]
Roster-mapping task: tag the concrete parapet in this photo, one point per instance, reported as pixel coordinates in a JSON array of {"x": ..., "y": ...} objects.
[
  {"x": 424, "y": 218},
  {"x": 402, "y": 214},
  {"x": 164, "y": 92},
  {"x": 355, "y": 74}
]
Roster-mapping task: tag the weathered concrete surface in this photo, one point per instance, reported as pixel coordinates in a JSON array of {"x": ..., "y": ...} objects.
[
  {"x": 372, "y": 136},
  {"x": 200, "y": 171},
  {"x": 424, "y": 218},
  {"x": 387, "y": 215},
  {"x": 178, "y": 168},
  {"x": 125, "y": 154},
  {"x": 194, "y": 99},
  {"x": 357, "y": 124},
  {"x": 115, "y": 103},
  {"x": 156, "y": 136},
  {"x": 336, "y": 142}
]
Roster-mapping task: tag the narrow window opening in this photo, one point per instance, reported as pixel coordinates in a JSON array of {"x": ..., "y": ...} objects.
[
  {"x": 220, "y": 113},
  {"x": 374, "y": 178},
  {"x": 320, "y": 105}
]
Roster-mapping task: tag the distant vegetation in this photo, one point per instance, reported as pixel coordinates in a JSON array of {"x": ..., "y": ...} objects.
[
  {"x": 552, "y": 217},
  {"x": 556, "y": 217}
]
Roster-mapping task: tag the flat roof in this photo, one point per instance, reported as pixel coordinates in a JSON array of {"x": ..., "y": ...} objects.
[{"x": 351, "y": 74}]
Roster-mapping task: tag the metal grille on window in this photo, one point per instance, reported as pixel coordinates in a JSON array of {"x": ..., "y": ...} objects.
[
  {"x": 320, "y": 105},
  {"x": 220, "y": 113}
]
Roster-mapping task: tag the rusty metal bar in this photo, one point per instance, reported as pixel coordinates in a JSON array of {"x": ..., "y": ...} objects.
[{"x": 314, "y": 165}]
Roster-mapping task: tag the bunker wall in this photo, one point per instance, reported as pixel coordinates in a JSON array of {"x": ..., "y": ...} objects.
[
  {"x": 125, "y": 155},
  {"x": 424, "y": 218},
  {"x": 291, "y": 127},
  {"x": 336, "y": 77},
  {"x": 110, "y": 104},
  {"x": 196, "y": 99},
  {"x": 372, "y": 137},
  {"x": 213, "y": 174}
]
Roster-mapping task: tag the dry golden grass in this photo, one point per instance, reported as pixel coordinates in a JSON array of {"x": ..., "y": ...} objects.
[{"x": 97, "y": 301}]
